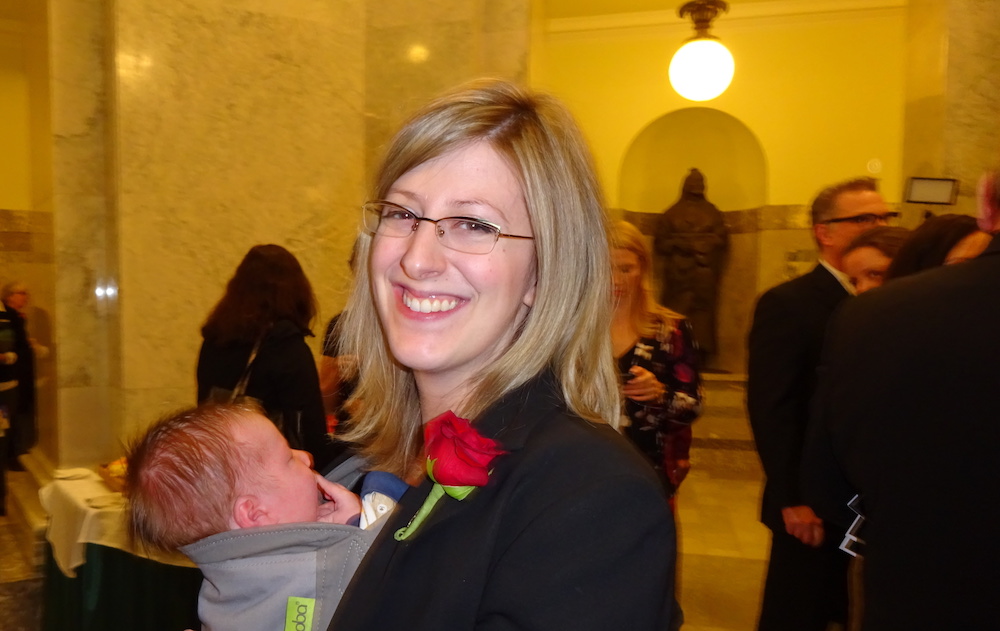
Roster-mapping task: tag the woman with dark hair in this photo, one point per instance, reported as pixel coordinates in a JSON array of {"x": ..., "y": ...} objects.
[
  {"x": 258, "y": 329},
  {"x": 940, "y": 240},
  {"x": 868, "y": 256}
]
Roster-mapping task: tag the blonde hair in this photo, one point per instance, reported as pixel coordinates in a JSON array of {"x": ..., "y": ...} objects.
[
  {"x": 566, "y": 329},
  {"x": 648, "y": 315}
]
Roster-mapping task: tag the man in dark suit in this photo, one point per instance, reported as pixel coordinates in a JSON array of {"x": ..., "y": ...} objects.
[
  {"x": 908, "y": 410},
  {"x": 806, "y": 585}
]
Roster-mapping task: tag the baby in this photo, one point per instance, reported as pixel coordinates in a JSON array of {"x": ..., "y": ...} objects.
[
  {"x": 275, "y": 540},
  {"x": 222, "y": 467}
]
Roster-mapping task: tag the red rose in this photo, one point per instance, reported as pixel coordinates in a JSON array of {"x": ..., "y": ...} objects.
[
  {"x": 458, "y": 455},
  {"x": 458, "y": 460}
]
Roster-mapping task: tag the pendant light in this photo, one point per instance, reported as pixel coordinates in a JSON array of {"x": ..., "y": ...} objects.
[{"x": 702, "y": 68}]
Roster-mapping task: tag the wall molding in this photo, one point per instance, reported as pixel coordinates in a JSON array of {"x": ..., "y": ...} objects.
[{"x": 738, "y": 12}]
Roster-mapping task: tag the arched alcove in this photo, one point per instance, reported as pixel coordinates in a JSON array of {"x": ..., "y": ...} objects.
[{"x": 718, "y": 144}]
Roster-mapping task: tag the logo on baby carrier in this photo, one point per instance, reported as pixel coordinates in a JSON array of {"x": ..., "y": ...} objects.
[{"x": 299, "y": 614}]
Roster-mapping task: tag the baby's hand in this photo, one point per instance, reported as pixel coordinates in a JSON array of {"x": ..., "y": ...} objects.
[{"x": 341, "y": 505}]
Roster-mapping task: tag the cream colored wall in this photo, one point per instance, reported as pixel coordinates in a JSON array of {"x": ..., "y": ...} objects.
[
  {"x": 15, "y": 176},
  {"x": 822, "y": 92},
  {"x": 720, "y": 146}
]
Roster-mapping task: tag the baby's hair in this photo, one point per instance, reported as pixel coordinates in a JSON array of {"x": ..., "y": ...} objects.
[{"x": 184, "y": 474}]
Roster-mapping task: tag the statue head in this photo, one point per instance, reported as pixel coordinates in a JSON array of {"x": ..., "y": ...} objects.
[{"x": 694, "y": 183}]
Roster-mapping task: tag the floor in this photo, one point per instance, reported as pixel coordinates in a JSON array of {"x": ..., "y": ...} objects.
[
  {"x": 723, "y": 546},
  {"x": 723, "y": 549},
  {"x": 20, "y": 585}
]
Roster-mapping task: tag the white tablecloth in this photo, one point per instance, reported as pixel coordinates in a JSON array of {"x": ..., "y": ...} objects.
[{"x": 82, "y": 510}]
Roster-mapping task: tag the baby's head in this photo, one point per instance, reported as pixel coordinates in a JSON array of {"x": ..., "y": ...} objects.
[{"x": 215, "y": 468}]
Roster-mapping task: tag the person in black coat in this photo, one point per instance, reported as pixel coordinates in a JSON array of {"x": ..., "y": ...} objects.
[
  {"x": 492, "y": 322},
  {"x": 806, "y": 584},
  {"x": 906, "y": 411},
  {"x": 268, "y": 305}
]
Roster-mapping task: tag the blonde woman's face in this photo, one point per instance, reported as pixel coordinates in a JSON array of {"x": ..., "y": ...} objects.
[
  {"x": 448, "y": 314},
  {"x": 626, "y": 275}
]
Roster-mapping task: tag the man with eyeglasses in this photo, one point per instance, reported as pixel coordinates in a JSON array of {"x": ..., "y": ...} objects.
[{"x": 806, "y": 585}]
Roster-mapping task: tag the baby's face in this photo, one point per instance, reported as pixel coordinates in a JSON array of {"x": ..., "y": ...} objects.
[{"x": 288, "y": 486}]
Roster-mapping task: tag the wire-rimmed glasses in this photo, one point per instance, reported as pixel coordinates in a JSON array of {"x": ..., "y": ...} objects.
[{"x": 462, "y": 234}]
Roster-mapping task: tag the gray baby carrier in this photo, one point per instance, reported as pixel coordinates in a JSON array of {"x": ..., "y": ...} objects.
[{"x": 289, "y": 576}]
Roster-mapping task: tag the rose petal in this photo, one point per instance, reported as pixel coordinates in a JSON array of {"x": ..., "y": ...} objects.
[{"x": 460, "y": 455}]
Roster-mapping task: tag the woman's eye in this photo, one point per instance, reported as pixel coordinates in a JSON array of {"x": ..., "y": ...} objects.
[
  {"x": 397, "y": 214},
  {"x": 469, "y": 225}
]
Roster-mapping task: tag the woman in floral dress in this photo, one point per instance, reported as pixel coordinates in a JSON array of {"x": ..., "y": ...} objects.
[{"x": 657, "y": 361}]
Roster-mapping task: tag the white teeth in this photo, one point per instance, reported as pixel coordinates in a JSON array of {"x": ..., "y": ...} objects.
[{"x": 427, "y": 305}]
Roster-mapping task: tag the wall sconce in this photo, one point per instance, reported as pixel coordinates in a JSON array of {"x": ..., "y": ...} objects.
[{"x": 702, "y": 68}]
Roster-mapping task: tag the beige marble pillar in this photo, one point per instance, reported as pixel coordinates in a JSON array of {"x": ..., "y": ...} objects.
[
  {"x": 185, "y": 133},
  {"x": 415, "y": 50},
  {"x": 236, "y": 122},
  {"x": 81, "y": 207},
  {"x": 952, "y": 94}
]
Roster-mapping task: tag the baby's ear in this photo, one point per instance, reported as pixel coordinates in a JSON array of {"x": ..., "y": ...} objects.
[{"x": 248, "y": 512}]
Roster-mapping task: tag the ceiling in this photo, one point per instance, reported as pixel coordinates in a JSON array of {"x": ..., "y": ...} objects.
[{"x": 556, "y": 9}]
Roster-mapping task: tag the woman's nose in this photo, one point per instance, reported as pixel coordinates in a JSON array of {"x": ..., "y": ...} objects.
[{"x": 425, "y": 255}]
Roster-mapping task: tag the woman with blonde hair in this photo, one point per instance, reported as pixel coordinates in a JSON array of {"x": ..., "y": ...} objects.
[
  {"x": 482, "y": 295},
  {"x": 657, "y": 361}
]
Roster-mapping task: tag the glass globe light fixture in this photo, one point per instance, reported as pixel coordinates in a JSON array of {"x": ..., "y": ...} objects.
[{"x": 703, "y": 68}]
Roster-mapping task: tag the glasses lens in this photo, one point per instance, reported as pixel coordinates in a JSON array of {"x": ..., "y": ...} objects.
[
  {"x": 468, "y": 235},
  {"x": 388, "y": 220}
]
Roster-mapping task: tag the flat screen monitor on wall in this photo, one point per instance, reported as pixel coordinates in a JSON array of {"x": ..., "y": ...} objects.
[{"x": 932, "y": 190}]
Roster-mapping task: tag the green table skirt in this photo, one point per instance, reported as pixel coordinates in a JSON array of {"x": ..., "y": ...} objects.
[{"x": 117, "y": 591}]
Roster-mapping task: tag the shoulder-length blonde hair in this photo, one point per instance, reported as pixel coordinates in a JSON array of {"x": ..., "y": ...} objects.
[
  {"x": 566, "y": 329},
  {"x": 647, "y": 314}
]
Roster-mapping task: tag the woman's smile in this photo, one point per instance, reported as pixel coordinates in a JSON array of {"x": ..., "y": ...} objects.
[{"x": 428, "y": 305}]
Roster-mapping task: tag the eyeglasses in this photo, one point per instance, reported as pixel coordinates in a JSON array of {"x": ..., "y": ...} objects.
[
  {"x": 866, "y": 218},
  {"x": 462, "y": 234}
]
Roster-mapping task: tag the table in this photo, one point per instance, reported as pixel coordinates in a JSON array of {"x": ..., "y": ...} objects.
[{"x": 94, "y": 579}]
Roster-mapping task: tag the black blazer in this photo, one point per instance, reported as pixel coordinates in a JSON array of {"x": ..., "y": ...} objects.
[
  {"x": 572, "y": 532},
  {"x": 909, "y": 402},
  {"x": 785, "y": 345}
]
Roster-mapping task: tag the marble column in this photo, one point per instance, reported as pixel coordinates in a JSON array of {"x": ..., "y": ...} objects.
[
  {"x": 415, "y": 50},
  {"x": 183, "y": 133},
  {"x": 952, "y": 94},
  {"x": 81, "y": 207}
]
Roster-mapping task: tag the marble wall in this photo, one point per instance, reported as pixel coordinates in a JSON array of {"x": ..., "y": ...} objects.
[
  {"x": 952, "y": 91},
  {"x": 414, "y": 51},
  {"x": 236, "y": 122},
  {"x": 182, "y": 134},
  {"x": 81, "y": 207}
]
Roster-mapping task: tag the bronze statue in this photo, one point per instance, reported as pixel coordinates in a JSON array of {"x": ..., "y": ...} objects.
[{"x": 691, "y": 245}]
